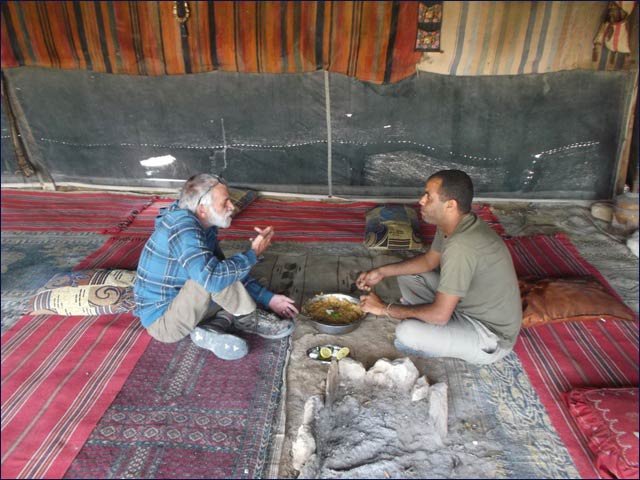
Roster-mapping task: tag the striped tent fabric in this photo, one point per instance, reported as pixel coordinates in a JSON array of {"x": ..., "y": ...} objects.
[
  {"x": 373, "y": 41},
  {"x": 512, "y": 38}
]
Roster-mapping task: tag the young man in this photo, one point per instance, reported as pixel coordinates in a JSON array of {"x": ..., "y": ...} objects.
[
  {"x": 186, "y": 286},
  {"x": 460, "y": 299}
]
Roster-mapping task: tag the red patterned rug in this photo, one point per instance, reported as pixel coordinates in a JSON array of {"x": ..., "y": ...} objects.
[
  {"x": 106, "y": 213},
  {"x": 117, "y": 252},
  {"x": 293, "y": 221},
  {"x": 184, "y": 413},
  {"x": 299, "y": 221},
  {"x": 59, "y": 375},
  {"x": 562, "y": 356}
]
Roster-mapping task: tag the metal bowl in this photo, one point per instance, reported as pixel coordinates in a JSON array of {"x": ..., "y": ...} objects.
[{"x": 332, "y": 328}]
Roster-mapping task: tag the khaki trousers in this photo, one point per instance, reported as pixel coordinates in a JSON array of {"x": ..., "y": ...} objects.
[
  {"x": 193, "y": 304},
  {"x": 461, "y": 337}
]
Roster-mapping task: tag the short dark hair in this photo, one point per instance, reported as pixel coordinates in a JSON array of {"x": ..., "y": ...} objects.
[{"x": 455, "y": 185}]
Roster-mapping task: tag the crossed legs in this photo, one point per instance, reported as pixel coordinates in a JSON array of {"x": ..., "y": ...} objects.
[
  {"x": 193, "y": 304},
  {"x": 461, "y": 337}
]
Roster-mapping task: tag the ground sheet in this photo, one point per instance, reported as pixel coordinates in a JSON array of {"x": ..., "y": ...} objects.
[{"x": 183, "y": 413}]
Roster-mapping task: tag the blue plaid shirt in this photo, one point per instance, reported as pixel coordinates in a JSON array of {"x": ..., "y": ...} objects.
[{"x": 180, "y": 249}]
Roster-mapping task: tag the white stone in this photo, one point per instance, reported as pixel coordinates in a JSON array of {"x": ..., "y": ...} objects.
[
  {"x": 602, "y": 211},
  {"x": 311, "y": 406},
  {"x": 310, "y": 469},
  {"x": 420, "y": 389},
  {"x": 632, "y": 243},
  {"x": 400, "y": 374},
  {"x": 361, "y": 400},
  {"x": 439, "y": 408},
  {"x": 303, "y": 447},
  {"x": 351, "y": 371}
]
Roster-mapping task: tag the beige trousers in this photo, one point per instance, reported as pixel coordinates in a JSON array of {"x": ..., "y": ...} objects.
[
  {"x": 461, "y": 337},
  {"x": 193, "y": 304}
]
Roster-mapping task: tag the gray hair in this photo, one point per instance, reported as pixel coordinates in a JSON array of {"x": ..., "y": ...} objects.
[{"x": 195, "y": 189}]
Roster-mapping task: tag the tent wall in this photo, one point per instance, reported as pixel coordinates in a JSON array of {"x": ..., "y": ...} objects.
[
  {"x": 8, "y": 157},
  {"x": 515, "y": 38},
  {"x": 551, "y": 135},
  {"x": 372, "y": 41},
  {"x": 514, "y": 98}
]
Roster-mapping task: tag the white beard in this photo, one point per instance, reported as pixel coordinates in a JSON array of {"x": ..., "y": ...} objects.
[{"x": 219, "y": 220}]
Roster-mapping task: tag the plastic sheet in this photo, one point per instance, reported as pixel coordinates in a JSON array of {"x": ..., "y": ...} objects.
[{"x": 530, "y": 136}]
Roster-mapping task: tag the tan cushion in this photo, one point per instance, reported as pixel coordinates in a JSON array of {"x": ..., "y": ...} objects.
[
  {"x": 548, "y": 300},
  {"x": 85, "y": 292}
]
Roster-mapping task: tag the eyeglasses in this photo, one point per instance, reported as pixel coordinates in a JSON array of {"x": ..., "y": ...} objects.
[{"x": 220, "y": 181}]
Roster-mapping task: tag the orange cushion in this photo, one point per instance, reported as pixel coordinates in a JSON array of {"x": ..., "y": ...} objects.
[{"x": 548, "y": 300}]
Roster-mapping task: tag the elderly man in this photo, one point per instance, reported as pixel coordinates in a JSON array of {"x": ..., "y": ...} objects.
[
  {"x": 459, "y": 299},
  {"x": 186, "y": 286}
]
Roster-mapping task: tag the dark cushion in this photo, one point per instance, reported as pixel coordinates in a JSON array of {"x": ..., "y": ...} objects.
[
  {"x": 241, "y": 198},
  {"x": 393, "y": 227}
]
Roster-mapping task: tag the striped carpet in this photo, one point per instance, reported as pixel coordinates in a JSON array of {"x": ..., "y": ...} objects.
[
  {"x": 128, "y": 215},
  {"x": 292, "y": 221},
  {"x": 562, "y": 356},
  {"x": 69, "y": 212},
  {"x": 59, "y": 375},
  {"x": 117, "y": 252},
  {"x": 299, "y": 221}
]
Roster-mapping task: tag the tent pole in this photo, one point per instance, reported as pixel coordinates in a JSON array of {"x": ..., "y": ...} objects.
[
  {"x": 625, "y": 150},
  {"x": 327, "y": 101}
]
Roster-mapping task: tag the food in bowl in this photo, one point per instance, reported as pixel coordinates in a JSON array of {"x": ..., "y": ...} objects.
[{"x": 333, "y": 310}]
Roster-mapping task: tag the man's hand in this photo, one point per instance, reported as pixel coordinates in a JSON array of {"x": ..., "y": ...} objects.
[
  {"x": 260, "y": 243},
  {"x": 283, "y": 306},
  {"x": 367, "y": 280},
  {"x": 372, "y": 303}
]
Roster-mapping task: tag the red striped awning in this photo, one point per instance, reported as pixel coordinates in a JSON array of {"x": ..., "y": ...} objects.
[{"x": 373, "y": 41}]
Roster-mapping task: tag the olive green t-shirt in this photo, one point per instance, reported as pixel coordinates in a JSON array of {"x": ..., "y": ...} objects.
[{"x": 476, "y": 266}]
